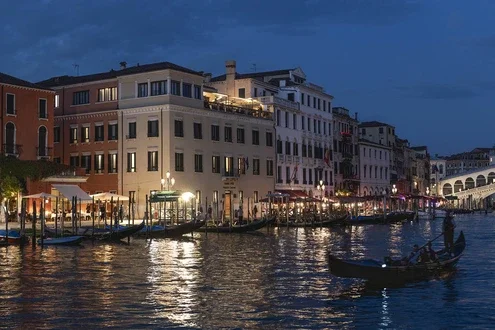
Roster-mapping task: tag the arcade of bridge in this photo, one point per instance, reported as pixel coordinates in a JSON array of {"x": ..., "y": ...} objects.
[{"x": 466, "y": 183}]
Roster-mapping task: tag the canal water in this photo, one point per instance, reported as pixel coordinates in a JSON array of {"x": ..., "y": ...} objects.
[{"x": 268, "y": 280}]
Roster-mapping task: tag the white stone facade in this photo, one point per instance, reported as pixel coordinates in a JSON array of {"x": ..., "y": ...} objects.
[{"x": 374, "y": 166}]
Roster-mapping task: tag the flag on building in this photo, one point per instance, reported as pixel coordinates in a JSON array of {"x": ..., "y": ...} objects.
[
  {"x": 294, "y": 174},
  {"x": 246, "y": 162},
  {"x": 327, "y": 157}
]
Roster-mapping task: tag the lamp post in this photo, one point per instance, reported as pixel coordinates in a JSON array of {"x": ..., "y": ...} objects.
[
  {"x": 169, "y": 181},
  {"x": 394, "y": 190},
  {"x": 321, "y": 187},
  {"x": 384, "y": 193}
]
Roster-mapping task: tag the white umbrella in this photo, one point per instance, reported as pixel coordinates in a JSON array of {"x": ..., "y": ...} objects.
[
  {"x": 40, "y": 195},
  {"x": 106, "y": 196}
]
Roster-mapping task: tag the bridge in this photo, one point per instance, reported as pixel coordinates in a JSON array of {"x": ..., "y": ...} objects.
[{"x": 470, "y": 187}]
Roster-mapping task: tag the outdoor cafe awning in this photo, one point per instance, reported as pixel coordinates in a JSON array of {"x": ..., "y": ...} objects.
[
  {"x": 294, "y": 194},
  {"x": 71, "y": 190}
]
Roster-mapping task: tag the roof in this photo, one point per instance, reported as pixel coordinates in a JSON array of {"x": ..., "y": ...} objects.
[
  {"x": 361, "y": 140},
  {"x": 11, "y": 80},
  {"x": 113, "y": 74},
  {"x": 419, "y": 148},
  {"x": 252, "y": 75},
  {"x": 373, "y": 124}
]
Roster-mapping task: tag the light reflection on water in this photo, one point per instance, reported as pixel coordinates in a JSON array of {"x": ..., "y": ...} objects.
[{"x": 268, "y": 280}]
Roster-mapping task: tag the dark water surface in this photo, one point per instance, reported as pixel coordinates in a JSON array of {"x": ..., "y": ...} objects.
[{"x": 270, "y": 280}]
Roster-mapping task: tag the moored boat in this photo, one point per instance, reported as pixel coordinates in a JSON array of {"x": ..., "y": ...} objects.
[
  {"x": 376, "y": 271},
  {"x": 13, "y": 237},
  {"x": 69, "y": 240},
  {"x": 252, "y": 226},
  {"x": 119, "y": 233},
  {"x": 170, "y": 231}
]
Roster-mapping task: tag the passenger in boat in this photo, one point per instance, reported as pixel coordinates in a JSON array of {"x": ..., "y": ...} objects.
[
  {"x": 413, "y": 256},
  {"x": 431, "y": 253},
  {"x": 209, "y": 212},
  {"x": 423, "y": 256},
  {"x": 448, "y": 232}
]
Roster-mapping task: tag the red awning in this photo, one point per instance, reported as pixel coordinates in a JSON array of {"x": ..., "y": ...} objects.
[{"x": 294, "y": 194}]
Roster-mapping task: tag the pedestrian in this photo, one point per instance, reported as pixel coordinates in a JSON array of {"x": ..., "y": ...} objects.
[{"x": 255, "y": 212}]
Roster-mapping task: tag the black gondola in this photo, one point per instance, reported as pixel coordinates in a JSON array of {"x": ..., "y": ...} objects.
[
  {"x": 376, "y": 271},
  {"x": 252, "y": 226},
  {"x": 117, "y": 234},
  {"x": 327, "y": 222},
  {"x": 171, "y": 231}
]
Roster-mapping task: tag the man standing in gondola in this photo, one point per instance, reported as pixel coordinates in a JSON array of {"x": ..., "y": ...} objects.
[{"x": 448, "y": 232}]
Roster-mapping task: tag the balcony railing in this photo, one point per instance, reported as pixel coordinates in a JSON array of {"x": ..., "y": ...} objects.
[
  {"x": 12, "y": 149},
  {"x": 280, "y": 158},
  {"x": 278, "y": 101},
  {"x": 233, "y": 173},
  {"x": 44, "y": 152},
  {"x": 222, "y": 107}
]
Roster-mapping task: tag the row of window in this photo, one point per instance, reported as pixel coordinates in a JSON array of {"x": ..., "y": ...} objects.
[
  {"x": 316, "y": 104},
  {"x": 307, "y": 176},
  {"x": 95, "y": 163},
  {"x": 11, "y": 108},
  {"x": 307, "y": 150},
  {"x": 229, "y": 169},
  {"x": 381, "y": 130},
  {"x": 380, "y": 154},
  {"x": 177, "y": 88},
  {"x": 305, "y": 122},
  {"x": 82, "y": 97},
  {"x": 227, "y": 133},
  {"x": 83, "y": 134},
  {"x": 383, "y": 172}
]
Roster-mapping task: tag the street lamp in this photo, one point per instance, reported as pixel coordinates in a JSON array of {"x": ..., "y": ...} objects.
[
  {"x": 394, "y": 189},
  {"x": 427, "y": 190},
  {"x": 170, "y": 181},
  {"x": 384, "y": 193},
  {"x": 321, "y": 187}
]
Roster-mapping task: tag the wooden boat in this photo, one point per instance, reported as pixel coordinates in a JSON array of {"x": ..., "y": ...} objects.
[
  {"x": 377, "y": 271},
  {"x": 327, "y": 222},
  {"x": 170, "y": 231},
  {"x": 119, "y": 233},
  {"x": 14, "y": 237},
  {"x": 69, "y": 240},
  {"x": 252, "y": 226}
]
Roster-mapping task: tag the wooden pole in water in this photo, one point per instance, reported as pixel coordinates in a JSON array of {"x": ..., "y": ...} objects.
[
  {"x": 80, "y": 213},
  {"x": 207, "y": 215},
  {"x": 34, "y": 224},
  {"x": 23, "y": 217},
  {"x": 111, "y": 214},
  {"x": 129, "y": 210},
  {"x": 93, "y": 216},
  {"x": 62, "y": 220},
  {"x": 42, "y": 217},
  {"x": 6, "y": 220},
  {"x": 146, "y": 216},
  {"x": 56, "y": 216}
]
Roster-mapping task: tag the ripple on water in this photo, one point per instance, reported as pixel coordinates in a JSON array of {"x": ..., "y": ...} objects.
[{"x": 275, "y": 280}]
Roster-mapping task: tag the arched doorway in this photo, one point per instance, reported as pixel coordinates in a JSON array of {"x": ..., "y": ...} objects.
[
  {"x": 42, "y": 142},
  {"x": 447, "y": 189},
  {"x": 480, "y": 180},
  {"x": 458, "y": 186},
  {"x": 469, "y": 183},
  {"x": 10, "y": 139}
]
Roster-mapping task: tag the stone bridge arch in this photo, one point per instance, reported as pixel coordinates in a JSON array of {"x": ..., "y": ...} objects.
[
  {"x": 458, "y": 186},
  {"x": 480, "y": 180},
  {"x": 491, "y": 177},
  {"x": 469, "y": 183},
  {"x": 447, "y": 189}
]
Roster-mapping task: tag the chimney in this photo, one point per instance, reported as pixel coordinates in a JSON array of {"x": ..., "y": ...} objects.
[
  {"x": 355, "y": 116},
  {"x": 281, "y": 83},
  {"x": 123, "y": 65},
  {"x": 207, "y": 77},
  {"x": 230, "y": 69}
]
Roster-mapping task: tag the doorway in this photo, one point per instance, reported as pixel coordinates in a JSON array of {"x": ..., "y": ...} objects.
[{"x": 227, "y": 206}]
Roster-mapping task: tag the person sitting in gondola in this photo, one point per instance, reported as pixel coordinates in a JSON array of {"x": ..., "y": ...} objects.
[
  {"x": 423, "y": 256},
  {"x": 431, "y": 253},
  {"x": 413, "y": 256}
]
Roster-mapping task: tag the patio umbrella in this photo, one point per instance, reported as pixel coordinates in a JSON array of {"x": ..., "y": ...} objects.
[
  {"x": 40, "y": 195},
  {"x": 106, "y": 196}
]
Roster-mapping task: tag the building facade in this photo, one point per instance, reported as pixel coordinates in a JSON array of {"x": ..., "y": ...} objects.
[
  {"x": 374, "y": 166},
  {"x": 86, "y": 127},
  {"x": 421, "y": 170},
  {"x": 303, "y": 121},
  {"x": 26, "y": 119},
  {"x": 345, "y": 152},
  {"x": 437, "y": 173},
  {"x": 475, "y": 159},
  {"x": 221, "y": 150}
]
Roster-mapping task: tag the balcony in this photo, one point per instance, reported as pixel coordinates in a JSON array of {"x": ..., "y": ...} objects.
[
  {"x": 280, "y": 158},
  {"x": 278, "y": 101},
  {"x": 44, "y": 152},
  {"x": 289, "y": 158},
  {"x": 232, "y": 173},
  {"x": 233, "y": 109},
  {"x": 12, "y": 149}
]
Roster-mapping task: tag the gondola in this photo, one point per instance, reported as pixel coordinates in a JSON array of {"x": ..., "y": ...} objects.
[
  {"x": 252, "y": 226},
  {"x": 69, "y": 240},
  {"x": 170, "y": 231},
  {"x": 327, "y": 222},
  {"x": 376, "y": 271},
  {"x": 119, "y": 233},
  {"x": 14, "y": 237}
]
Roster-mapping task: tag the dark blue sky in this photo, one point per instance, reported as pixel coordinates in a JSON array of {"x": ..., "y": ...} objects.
[{"x": 426, "y": 67}]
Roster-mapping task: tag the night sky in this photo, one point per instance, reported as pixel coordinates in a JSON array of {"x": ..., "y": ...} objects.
[{"x": 426, "y": 67}]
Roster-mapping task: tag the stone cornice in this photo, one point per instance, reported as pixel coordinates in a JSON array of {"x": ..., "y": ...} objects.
[
  {"x": 30, "y": 88},
  {"x": 98, "y": 114}
]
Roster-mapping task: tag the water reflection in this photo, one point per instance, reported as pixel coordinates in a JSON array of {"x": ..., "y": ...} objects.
[{"x": 272, "y": 280}]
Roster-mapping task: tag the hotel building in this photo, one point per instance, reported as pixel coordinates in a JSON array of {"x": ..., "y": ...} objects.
[
  {"x": 303, "y": 121},
  {"x": 375, "y": 168}
]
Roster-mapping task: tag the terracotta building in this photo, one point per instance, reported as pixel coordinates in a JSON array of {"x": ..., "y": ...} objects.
[{"x": 26, "y": 119}]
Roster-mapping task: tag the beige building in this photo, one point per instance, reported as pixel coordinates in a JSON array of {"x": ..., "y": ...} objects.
[{"x": 219, "y": 149}]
